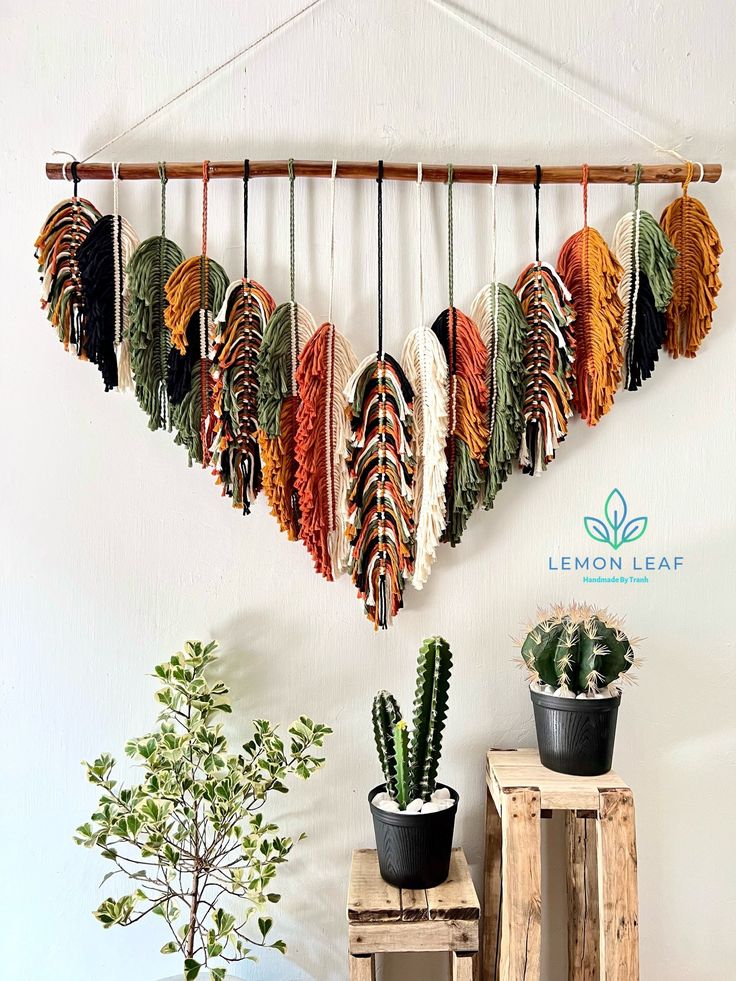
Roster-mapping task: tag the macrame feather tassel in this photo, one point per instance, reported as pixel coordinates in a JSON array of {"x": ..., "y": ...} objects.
[
  {"x": 689, "y": 227},
  {"x": 500, "y": 319},
  {"x": 380, "y": 467},
  {"x": 285, "y": 336},
  {"x": 467, "y": 434},
  {"x": 62, "y": 296},
  {"x": 195, "y": 288},
  {"x": 236, "y": 457},
  {"x": 592, "y": 275},
  {"x": 548, "y": 364},
  {"x": 103, "y": 258},
  {"x": 149, "y": 268},
  {"x": 425, "y": 365},
  {"x": 648, "y": 260},
  {"x": 321, "y": 446}
]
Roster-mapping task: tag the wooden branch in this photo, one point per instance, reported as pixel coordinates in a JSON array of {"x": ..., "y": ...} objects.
[{"x": 368, "y": 170}]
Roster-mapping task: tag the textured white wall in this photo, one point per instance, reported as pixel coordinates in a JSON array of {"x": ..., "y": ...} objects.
[{"x": 114, "y": 553}]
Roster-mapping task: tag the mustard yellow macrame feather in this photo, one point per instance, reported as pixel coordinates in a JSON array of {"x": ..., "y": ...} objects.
[{"x": 689, "y": 227}]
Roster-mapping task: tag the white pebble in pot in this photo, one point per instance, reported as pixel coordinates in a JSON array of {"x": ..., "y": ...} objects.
[
  {"x": 431, "y": 807},
  {"x": 442, "y": 794},
  {"x": 388, "y": 805},
  {"x": 415, "y": 806}
]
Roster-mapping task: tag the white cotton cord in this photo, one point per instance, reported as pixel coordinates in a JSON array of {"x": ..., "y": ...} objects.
[
  {"x": 420, "y": 265},
  {"x": 507, "y": 49},
  {"x": 333, "y": 183},
  {"x": 200, "y": 81},
  {"x": 116, "y": 189},
  {"x": 341, "y": 366}
]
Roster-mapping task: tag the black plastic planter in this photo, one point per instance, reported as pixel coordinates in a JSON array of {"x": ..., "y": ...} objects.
[
  {"x": 413, "y": 849},
  {"x": 575, "y": 735}
]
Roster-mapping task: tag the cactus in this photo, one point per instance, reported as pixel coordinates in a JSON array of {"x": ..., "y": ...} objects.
[
  {"x": 386, "y": 714},
  {"x": 579, "y": 650},
  {"x": 401, "y": 740},
  {"x": 430, "y": 711}
]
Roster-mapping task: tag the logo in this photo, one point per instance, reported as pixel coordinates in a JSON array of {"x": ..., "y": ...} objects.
[{"x": 614, "y": 529}]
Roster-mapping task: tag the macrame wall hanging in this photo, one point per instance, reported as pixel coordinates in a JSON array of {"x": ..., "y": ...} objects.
[
  {"x": 373, "y": 465},
  {"x": 246, "y": 309},
  {"x": 381, "y": 470},
  {"x": 287, "y": 332}
]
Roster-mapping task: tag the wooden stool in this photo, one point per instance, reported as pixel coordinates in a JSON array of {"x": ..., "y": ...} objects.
[
  {"x": 384, "y": 919},
  {"x": 603, "y": 919}
]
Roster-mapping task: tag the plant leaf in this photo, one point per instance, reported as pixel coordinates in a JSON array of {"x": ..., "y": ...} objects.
[{"x": 191, "y": 969}]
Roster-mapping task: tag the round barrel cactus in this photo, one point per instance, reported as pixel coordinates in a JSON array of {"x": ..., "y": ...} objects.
[{"x": 578, "y": 649}]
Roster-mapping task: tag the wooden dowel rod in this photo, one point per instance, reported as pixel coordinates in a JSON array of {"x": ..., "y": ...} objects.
[{"x": 367, "y": 170}]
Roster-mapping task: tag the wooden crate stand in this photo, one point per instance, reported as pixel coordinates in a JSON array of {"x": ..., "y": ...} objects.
[
  {"x": 603, "y": 918},
  {"x": 384, "y": 919}
]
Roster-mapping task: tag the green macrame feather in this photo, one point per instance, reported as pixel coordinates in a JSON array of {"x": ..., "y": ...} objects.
[
  {"x": 150, "y": 266},
  {"x": 502, "y": 325}
]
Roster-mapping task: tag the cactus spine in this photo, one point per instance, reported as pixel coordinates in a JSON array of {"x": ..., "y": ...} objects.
[
  {"x": 430, "y": 711},
  {"x": 401, "y": 740},
  {"x": 578, "y": 649},
  {"x": 386, "y": 714},
  {"x": 410, "y": 765}
]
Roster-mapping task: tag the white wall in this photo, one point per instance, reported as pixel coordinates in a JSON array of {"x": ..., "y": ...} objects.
[{"x": 115, "y": 553}]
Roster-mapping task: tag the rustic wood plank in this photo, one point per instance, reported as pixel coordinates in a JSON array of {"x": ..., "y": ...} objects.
[
  {"x": 456, "y": 898},
  {"x": 521, "y": 905},
  {"x": 369, "y": 897},
  {"x": 414, "y": 905},
  {"x": 362, "y": 967},
  {"x": 462, "y": 966},
  {"x": 559, "y": 791},
  {"x": 491, "y": 892},
  {"x": 582, "y": 899},
  {"x": 617, "y": 887},
  {"x": 375, "y": 938}
]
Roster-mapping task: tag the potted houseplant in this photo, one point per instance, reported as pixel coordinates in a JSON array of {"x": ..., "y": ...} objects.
[
  {"x": 578, "y": 658},
  {"x": 191, "y": 836},
  {"x": 413, "y": 815}
]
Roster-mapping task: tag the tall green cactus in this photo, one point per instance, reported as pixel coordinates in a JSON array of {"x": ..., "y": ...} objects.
[
  {"x": 401, "y": 739},
  {"x": 579, "y": 649},
  {"x": 430, "y": 711},
  {"x": 386, "y": 714}
]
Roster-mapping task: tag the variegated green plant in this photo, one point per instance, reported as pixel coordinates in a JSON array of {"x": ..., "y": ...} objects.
[
  {"x": 415, "y": 775},
  {"x": 578, "y": 649},
  {"x": 191, "y": 836}
]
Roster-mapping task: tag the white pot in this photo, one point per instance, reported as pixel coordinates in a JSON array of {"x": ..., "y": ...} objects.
[{"x": 203, "y": 976}]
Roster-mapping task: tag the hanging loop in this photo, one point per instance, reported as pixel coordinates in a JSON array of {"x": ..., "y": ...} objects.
[
  {"x": 205, "y": 181},
  {"x": 494, "y": 185},
  {"x": 688, "y": 177},
  {"x": 586, "y": 171},
  {"x": 75, "y": 175},
  {"x": 246, "y": 179},
  {"x": 115, "y": 188},
  {"x": 450, "y": 238},
  {"x": 637, "y": 182},
  {"x": 379, "y": 181},
  {"x": 537, "y": 185},
  {"x": 420, "y": 178},
  {"x": 291, "y": 229},
  {"x": 333, "y": 183},
  {"x": 164, "y": 181}
]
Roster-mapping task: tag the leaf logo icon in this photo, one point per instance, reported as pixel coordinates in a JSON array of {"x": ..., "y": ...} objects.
[{"x": 613, "y": 529}]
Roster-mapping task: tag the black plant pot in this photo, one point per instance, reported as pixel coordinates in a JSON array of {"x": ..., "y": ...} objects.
[
  {"x": 575, "y": 735},
  {"x": 413, "y": 849}
]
